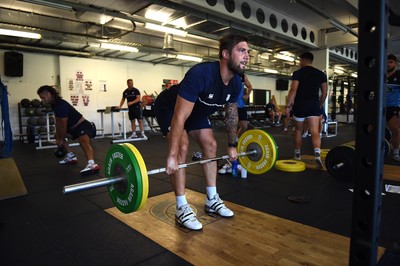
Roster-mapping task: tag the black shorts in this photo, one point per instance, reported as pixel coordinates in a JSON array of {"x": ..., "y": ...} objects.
[
  {"x": 242, "y": 112},
  {"x": 164, "y": 118},
  {"x": 392, "y": 111},
  {"x": 302, "y": 110},
  {"x": 84, "y": 128},
  {"x": 135, "y": 112}
]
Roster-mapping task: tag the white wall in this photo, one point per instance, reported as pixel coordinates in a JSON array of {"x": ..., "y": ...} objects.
[{"x": 43, "y": 69}]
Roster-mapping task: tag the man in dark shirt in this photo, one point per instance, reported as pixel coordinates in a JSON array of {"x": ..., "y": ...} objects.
[
  {"x": 306, "y": 103},
  {"x": 183, "y": 110},
  {"x": 132, "y": 96},
  {"x": 70, "y": 123}
]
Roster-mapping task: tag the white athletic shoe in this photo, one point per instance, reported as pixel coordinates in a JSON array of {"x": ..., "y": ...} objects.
[
  {"x": 216, "y": 205},
  {"x": 318, "y": 162},
  {"x": 68, "y": 160},
  {"x": 396, "y": 157},
  {"x": 297, "y": 156},
  {"x": 187, "y": 218},
  {"x": 226, "y": 168}
]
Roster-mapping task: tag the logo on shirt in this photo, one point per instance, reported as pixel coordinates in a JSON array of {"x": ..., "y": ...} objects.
[
  {"x": 210, "y": 96},
  {"x": 228, "y": 97}
]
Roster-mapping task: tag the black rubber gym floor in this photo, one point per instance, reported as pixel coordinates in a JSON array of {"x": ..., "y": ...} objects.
[{"x": 46, "y": 227}]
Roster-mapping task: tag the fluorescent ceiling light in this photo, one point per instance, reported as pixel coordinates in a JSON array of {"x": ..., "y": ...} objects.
[
  {"x": 156, "y": 27},
  {"x": 338, "y": 71},
  {"x": 119, "y": 47},
  {"x": 273, "y": 71},
  {"x": 23, "y": 34},
  {"x": 354, "y": 75},
  {"x": 265, "y": 56},
  {"x": 284, "y": 57},
  {"x": 189, "y": 58},
  {"x": 170, "y": 56},
  {"x": 49, "y": 4}
]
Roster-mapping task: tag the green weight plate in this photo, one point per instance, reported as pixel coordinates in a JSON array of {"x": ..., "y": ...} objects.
[
  {"x": 266, "y": 148},
  {"x": 126, "y": 195},
  {"x": 143, "y": 170}
]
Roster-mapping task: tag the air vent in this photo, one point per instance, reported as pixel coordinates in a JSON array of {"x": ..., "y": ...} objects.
[{"x": 264, "y": 18}]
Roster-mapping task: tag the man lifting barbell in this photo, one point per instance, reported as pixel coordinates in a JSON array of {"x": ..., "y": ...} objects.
[
  {"x": 183, "y": 110},
  {"x": 393, "y": 104}
]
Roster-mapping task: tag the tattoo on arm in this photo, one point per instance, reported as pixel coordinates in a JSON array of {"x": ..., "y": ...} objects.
[{"x": 231, "y": 121}]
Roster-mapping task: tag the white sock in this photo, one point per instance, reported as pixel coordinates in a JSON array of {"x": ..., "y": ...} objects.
[
  {"x": 317, "y": 150},
  {"x": 91, "y": 162},
  {"x": 211, "y": 192},
  {"x": 180, "y": 201},
  {"x": 395, "y": 152}
]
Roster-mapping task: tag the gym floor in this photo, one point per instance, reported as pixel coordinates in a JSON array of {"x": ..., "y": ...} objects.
[{"x": 46, "y": 227}]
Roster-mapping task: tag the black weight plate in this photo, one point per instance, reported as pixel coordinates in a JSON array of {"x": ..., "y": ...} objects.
[{"x": 340, "y": 162}]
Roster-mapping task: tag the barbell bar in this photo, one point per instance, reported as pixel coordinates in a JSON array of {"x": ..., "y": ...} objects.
[
  {"x": 126, "y": 175},
  {"x": 114, "y": 180}
]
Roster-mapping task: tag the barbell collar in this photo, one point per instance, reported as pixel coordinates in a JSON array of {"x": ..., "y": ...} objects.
[
  {"x": 92, "y": 184},
  {"x": 338, "y": 166}
]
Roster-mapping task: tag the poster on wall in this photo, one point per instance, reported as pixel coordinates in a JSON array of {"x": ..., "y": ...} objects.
[
  {"x": 74, "y": 99},
  {"x": 79, "y": 75},
  {"x": 88, "y": 85},
  {"x": 70, "y": 84},
  {"x": 102, "y": 85},
  {"x": 85, "y": 99}
]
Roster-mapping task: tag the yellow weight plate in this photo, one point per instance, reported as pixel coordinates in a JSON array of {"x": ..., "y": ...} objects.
[
  {"x": 290, "y": 165},
  {"x": 143, "y": 170},
  {"x": 266, "y": 148},
  {"x": 324, "y": 152}
]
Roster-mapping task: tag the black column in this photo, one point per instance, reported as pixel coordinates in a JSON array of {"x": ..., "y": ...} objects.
[{"x": 371, "y": 102}]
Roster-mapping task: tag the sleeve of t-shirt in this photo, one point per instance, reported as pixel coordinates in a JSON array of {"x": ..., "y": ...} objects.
[
  {"x": 323, "y": 78},
  {"x": 238, "y": 87},
  {"x": 295, "y": 75},
  {"x": 193, "y": 84}
]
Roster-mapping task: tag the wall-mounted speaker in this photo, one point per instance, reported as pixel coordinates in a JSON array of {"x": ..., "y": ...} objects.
[{"x": 13, "y": 64}]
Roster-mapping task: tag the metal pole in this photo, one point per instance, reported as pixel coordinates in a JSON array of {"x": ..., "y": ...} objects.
[{"x": 371, "y": 104}]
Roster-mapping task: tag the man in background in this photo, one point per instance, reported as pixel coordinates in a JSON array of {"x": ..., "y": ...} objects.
[
  {"x": 306, "y": 103},
  {"x": 132, "y": 96}
]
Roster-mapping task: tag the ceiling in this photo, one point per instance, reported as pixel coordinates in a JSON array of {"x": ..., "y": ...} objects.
[{"x": 77, "y": 28}]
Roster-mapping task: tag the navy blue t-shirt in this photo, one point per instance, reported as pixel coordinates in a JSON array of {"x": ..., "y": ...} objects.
[
  {"x": 310, "y": 80},
  {"x": 62, "y": 109},
  {"x": 130, "y": 95},
  {"x": 203, "y": 86}
]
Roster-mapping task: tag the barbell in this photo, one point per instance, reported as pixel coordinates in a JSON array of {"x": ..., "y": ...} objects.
[{"x": 126, "y": 175}]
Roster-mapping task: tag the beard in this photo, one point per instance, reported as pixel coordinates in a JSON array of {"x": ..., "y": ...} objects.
[
  {"x": 389, "y": 70},
  {"x": 235, "y": 68}
]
